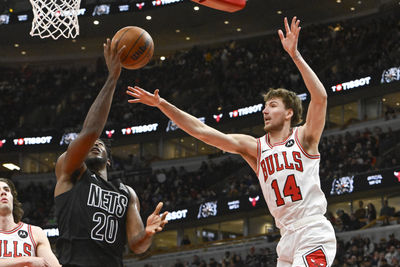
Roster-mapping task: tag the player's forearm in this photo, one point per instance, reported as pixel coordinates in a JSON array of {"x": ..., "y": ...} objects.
[
  {"x": 141, "y": 242},
  {"x": 98, "y": 112},
  {"x": 185, "y": 121},
  {"x": 16, "y": 262},
  {"x": 312, "y": 82}
]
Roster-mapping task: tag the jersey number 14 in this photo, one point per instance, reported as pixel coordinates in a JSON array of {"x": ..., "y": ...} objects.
[{"x": 290, "y": 189}]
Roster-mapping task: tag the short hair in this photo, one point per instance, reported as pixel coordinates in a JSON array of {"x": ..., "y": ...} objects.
[
  {"x": 17, "y": 206},
  {"x": 290, "y": 100}
]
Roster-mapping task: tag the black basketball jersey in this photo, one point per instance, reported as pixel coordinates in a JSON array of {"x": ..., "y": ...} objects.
[{"x": 92, "y": 222}]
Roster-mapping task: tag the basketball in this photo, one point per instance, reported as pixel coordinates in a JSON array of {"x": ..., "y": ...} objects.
[{"x": 139, "y": 46}]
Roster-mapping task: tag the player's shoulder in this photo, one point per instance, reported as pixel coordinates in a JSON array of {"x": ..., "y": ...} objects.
[{"x": 37, "y": 232}]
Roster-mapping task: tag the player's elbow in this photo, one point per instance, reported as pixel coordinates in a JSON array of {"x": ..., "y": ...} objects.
[{"x": 138, "y": 249}]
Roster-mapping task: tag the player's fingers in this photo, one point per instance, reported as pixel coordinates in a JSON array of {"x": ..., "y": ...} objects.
[
  {"x": 138, "y": 88},
  {"x": 156, "y": 92},
  {"x": 132, "y": 94},
  {"x": 292, "y": 25},
  {"x": 163, "y": 223},
  {"x": 121, "y": 49},
  {"x": 286, "y": 25},
  {"x": 280, "y": 33},
  {"x": 158, "y": 208},
  {"x": 130, "y": 88},
  {"x": 298, "y": 31},
  {"x": 136, "y": 100},
  {"x": 164, "y": 215}
]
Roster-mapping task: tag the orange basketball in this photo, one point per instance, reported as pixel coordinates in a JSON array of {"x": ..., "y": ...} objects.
[{"x": 139, "y": 46}]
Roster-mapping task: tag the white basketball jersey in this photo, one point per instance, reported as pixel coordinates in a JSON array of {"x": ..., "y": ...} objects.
[
  {"x": 17, "y": 242},
  {"x": 289, "y": 178}
]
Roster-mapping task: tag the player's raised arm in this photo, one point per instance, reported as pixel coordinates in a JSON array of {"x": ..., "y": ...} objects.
[
  {"x": 311, "y": 131},
  {"x": 244, "y": 145},
  {"x": 73, "y": 159}
]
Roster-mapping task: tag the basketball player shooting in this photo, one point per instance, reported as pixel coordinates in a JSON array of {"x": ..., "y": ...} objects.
[
  {"x": 286, "y": 159},
  {"x": 21, "y": 244},
  {"x": 97, "y": 216}
]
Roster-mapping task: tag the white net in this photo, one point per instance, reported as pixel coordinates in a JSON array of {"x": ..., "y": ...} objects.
[{"x": 55, "y": 18}]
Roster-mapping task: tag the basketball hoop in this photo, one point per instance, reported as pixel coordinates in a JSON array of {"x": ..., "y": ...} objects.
[{"x": 55, "y": 18}]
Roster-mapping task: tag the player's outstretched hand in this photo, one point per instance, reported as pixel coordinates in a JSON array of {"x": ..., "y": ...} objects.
[
  {"x": 142, "y": 96},
  {"x": 289, "y": 42},
  {"x": 155, "y": 222},
  {"x": 112, "y": 57}
]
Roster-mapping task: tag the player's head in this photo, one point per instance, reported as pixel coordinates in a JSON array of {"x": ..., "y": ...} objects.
[
  {"x": 281, "y": 106},
  {"x": 9, "y": 200},
  {"x": 99, "y": 156}
]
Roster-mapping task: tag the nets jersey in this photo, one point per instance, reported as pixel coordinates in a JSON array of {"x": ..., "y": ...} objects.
[
  {"x": 289, "y": 178},
  {"x": 17, "y": 242},
  {"x": 92, "y": 222}
]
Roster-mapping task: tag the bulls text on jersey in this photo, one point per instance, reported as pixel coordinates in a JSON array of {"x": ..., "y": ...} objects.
[
  {"x": 9, "y": 249},
  {"x": 279, "y": 161}
]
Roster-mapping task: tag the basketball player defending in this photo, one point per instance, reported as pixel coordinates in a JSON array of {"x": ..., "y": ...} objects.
[
  {"x": 21, "y": 244},
  {"x": 286, "y": 160},
  {"x": 97, "y": 216}
]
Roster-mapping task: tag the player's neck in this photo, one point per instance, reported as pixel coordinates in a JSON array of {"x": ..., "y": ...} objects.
[
  {"x": 7, "y": 222},
  {"x": 280, "y": 135}
]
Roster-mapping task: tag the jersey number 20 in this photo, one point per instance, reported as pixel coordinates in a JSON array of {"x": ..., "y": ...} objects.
[
  {"x": 290, "y": 189},
  {"x": 106, "y": 227}
]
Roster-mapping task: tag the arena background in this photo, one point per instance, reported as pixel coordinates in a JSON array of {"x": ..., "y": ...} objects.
[{"x": 216, "y": 65}]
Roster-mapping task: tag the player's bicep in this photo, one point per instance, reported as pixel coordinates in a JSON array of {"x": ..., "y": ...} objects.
[
  {"x": 233, "y": 143},
  {"x": 134, "y": 224},
  {"x": 43, "y": 248},
  {"x": 315, "y": 122}
]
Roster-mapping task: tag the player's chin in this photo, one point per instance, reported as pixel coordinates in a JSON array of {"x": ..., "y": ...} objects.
[{"x": 267, "y": 127}]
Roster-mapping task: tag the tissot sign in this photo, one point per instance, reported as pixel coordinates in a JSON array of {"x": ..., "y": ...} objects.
[{"x": 351, "y": 84}]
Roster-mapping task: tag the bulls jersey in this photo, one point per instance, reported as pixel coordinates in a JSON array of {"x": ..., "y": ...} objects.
[
  {"x": 289, "y": 178},
  {"x": 92, "y": 222},
  {"x": 17, "y": 242}
]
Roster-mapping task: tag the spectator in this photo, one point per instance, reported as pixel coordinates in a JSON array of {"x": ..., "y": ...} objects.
[
  {"x": 371, "y": 212},
  {"x": 360, "y": 213},
  {"x": 386, "y": 210},
  {"x": 185, "y": 240}
]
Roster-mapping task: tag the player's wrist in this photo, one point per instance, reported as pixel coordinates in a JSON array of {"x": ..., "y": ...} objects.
[{"x": 296, "y": 56}]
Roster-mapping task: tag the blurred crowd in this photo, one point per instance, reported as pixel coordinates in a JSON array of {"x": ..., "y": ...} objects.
[
  {"x": 201, "y": 80},
  {"x": 358, "y": 152}
]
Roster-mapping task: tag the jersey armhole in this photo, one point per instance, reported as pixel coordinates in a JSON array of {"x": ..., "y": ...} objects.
[
  {"x": 296, "y": 138},
  {"x": 32, "y": 238}
]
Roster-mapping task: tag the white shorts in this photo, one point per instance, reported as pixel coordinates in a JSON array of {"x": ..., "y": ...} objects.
[{"x": 312, "y": 244}]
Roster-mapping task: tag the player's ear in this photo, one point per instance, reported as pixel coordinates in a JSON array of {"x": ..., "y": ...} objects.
[
  {"x": 289, "y": 113},
  {"x": 108, "y": 163}
]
